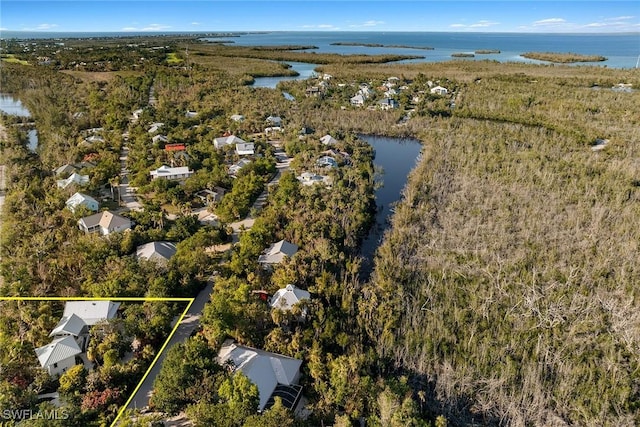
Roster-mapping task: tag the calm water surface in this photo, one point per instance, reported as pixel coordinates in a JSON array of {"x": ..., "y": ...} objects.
[
  {"x": 396, "y": 157},
  {"x": 13, "y": 106}
]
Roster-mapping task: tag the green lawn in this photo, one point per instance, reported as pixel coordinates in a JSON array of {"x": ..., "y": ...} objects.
[
  {"x": 172, "y": 58},
  {"x": 11, "y": 58}
]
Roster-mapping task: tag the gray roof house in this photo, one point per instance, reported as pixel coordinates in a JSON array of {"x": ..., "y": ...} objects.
[
  {"x": 276, "y": 253},
  {"x": 274, "y": 120},
  {"x": 245, "y": 149},
  {"x": 275, "y": 375},
  {"x": 72, "y": 326},
  {"x": 91, "y": 312},
  {"x": 59, "y": 355},
  {"x": 104, "y": 223},
  {"x": 159, "y": 252},
  {"x": 65, "y": 170}
]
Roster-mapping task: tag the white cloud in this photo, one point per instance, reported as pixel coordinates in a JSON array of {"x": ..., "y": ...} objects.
[
  {"x": 320, "y": 27},
  {"x": 195, "y": 23},
  {"x": 481, "y": 24},
  {"x": 369, "y": 23},
  {"x": 549, "y": 21}
]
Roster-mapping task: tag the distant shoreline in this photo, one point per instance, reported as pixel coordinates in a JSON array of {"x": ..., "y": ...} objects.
[{"x": 400, "y": 46}]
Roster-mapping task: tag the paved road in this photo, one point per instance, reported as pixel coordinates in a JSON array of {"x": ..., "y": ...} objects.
[
  {"x": 126, "y": 193},
  {"x": 187, "y": 326}
]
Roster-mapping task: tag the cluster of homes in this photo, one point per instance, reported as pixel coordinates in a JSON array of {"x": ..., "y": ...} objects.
[
  {"x": 70, "y": 337},
  {"x": 390, "y": 90}
]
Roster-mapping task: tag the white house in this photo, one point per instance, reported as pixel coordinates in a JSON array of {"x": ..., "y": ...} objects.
[
  {"x": 160, "y": 138},
  {"x": 275, "y": 375},
  {"x": 227, "y": 140},
  {"x": 191, "y": 114},
  {"x": 287, "y": 297},
  {"x": 439, "y": 90},
  {"x": 328, "y": 140},
  {"x": 246, "y": 149},
  {"x": 91, "y": 312},
  {"x": 74, "y": 178},
  {"x": 104, "y": 223},
  {"x": 236, "y": 167},
  {"x": 165, "y": 172},
  {"x": 237, "y": 117},
  {"x": 65, "y": 170},
  {"x": 79, "y": 199},
  {"x": 155, "y": 127},
  {"x": 72, "y": 326},
  {"x": 309, "y": 179},
  {"x": 159, "y": 252},
  {"x": 59, "y": 355},
  {"x": 357, "y": 100},
  {"x": 277, "y": 252}
]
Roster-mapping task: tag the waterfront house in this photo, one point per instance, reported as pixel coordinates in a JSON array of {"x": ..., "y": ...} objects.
[
  {"x": 327, "y": 162},
  {"x": 79, "y": 199},
  {"x": 308, "y": 179},
  {"x": 159, "y": 252},
  {"x": 275, "y": 375},
  {"x": 277, "y": 252},
  {"x": 59, "y": 355},
  {"x": 227, "y": 140},
  {"x": 104, "y": 223},
  {"x": 172, "y": 174},
  {"x": 245, "y": 149},
  {"x": 328, "y": 140}
]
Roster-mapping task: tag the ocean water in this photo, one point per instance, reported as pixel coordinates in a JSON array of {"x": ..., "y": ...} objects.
[{"x": 622, "y": 50}]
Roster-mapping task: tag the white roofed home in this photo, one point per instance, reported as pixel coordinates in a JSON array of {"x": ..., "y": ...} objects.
[
  {"x": 275, "y": 375},
  {"x": 237, "y": 117},
  {"x": 91, "y": 312},
  {"x": 159, "y": 252},
  {"x": 237, "y": 167},
  {"x": 277, "y": 252},
  {"x": 328, "y": 140},
  {"x": 227, "y": 140},
  {"x": 74, "y": 178},
  {"x": 357, "y": 100},
  {"x": 79, "y": 199},
  {"x": 286, "y": 298},
  {"x": 245, "y": 149},
  {"x": 59, "y": 355},
  {"x": 439, "y": 90},
  {"x": 165, "y": 172},
  {"x": 104, "y": 223}
]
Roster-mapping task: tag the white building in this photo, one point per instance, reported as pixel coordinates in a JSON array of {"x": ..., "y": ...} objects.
[
  {"x": 245, "y": 149},
  {"x": 91, "y": 312},
  {"x": 227, "y": 140},
  {"x": 439, "y": 90},
  {"x": 79, "y": 199},
  {"x": 275, "y": 375},
  {"x": 74, "y": 178},
  {"x": 277, "y": 252},
  {"x": 287, "y": 297},
  {"x": 104, "y": 223},
  {"x": 59, "y": 355},
  {"x": 166, "y": 172}
]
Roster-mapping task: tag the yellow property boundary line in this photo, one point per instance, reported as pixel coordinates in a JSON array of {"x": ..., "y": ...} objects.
[{"x": 124, "y": 299}]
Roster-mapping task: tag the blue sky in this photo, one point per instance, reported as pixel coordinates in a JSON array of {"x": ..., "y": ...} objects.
[{"x": 542, "y": 16}]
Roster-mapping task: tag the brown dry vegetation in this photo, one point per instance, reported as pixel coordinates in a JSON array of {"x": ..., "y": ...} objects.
[
  {"x": 510, "y": 276},
  {"x": 99, "y": 76}
]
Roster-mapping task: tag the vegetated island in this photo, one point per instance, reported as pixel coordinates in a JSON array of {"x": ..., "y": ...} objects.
[
  {"x": 284, "y": 47},
  {"x": 401, "y": 46},
  {"x": 486, "y": 51},
  {"x": 462, "y": 55},
  {"x": 563, "y": 58}
]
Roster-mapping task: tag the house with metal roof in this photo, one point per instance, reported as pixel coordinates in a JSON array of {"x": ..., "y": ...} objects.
[
  {"x": 328, "y": 140},
  {"x": 72, "y": 326},
  {"x": 173, "y": 174},
  {"x": 59, "y": 355},
  {"x": 74, "y": 178},
  {"x": 227, "y": 140},
  {"x": 79, "y": 199},
  {"x": 277, "y": 252},
  {"x": 246, "y": 149},
  {"x": 275, "y": 375},
  {"x": 91, "y": 312},
  {"x": 159, "y": 252},
  {"x": 287, "y": 297}
]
